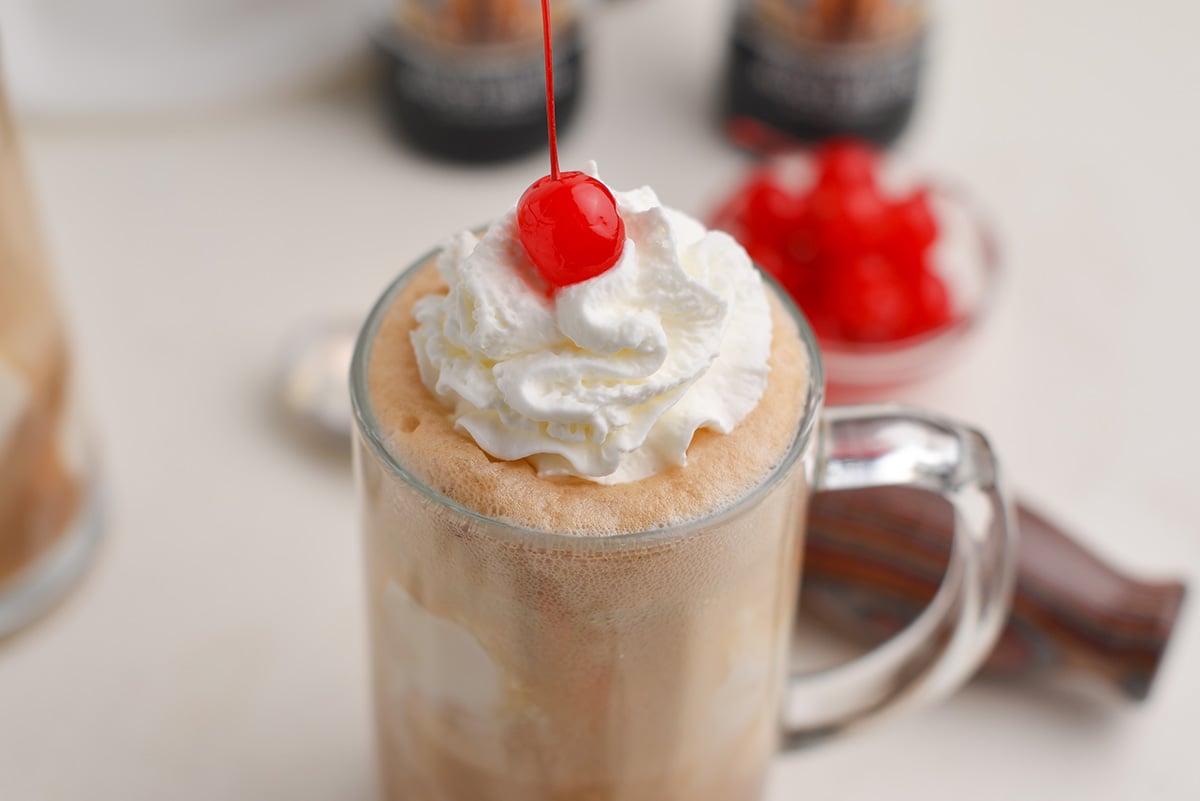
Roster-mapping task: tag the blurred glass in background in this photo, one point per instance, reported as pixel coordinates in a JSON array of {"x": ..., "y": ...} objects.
[
  {"x": 48, "y": 521},
  {"x": 810, "y": 69},
  {"x": 465, "y": 79}
]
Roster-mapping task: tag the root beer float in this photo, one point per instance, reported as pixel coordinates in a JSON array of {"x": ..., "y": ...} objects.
[{"x": 586, "y": 441}]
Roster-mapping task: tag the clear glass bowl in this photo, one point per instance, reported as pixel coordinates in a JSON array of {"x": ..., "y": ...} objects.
[
  {"x": 860, "y": 371},
  {"x": 965, "y": 257}
]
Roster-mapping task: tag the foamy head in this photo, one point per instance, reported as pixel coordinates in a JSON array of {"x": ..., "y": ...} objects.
[{"x": 418, "y": 433}]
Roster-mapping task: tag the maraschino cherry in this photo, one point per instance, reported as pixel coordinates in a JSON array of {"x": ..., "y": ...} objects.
[
  {"x": 858, "y": 261},
  {"x": 567, "y": 221}
]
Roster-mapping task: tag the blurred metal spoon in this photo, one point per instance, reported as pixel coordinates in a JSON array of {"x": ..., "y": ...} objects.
[{"x": 313, "y": 385}]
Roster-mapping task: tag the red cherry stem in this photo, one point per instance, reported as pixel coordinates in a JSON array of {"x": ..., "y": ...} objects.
[{"x": 551, "y": 128}]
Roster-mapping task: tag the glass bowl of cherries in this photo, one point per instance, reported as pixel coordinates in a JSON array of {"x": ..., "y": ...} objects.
[{"x": 894, "y": 271}]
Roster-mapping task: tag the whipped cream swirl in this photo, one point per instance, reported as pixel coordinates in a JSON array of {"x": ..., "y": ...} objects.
[{"x": 610, "y": 378}]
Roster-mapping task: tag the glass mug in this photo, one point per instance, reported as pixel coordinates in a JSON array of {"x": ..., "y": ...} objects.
[
  {"x": 511, "y": 664},
  {"x": 48, "y": 522}
]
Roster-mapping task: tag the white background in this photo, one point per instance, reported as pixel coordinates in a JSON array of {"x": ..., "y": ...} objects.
[{"x": 216, "y": 650}]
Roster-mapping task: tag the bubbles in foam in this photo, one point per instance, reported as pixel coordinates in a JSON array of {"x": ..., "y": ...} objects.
[{"x": 720, "y": 469}]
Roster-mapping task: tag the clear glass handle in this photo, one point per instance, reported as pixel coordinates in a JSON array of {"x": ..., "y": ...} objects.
[{"x": 867, "y": 446}]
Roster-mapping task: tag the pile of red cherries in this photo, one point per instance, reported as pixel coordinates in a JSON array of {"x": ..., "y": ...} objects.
[{"x": 856, "y": 261}]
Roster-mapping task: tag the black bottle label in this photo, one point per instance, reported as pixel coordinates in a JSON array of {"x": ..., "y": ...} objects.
[
  {"x": 811, "y": 69},
  {"x": 466, "y": 78},
  {"x": 503, "y": 86}
]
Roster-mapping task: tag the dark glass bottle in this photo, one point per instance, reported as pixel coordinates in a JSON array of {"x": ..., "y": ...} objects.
[
  {"x": 811, "y": 69},
  {"x": 465, "y": 79}
]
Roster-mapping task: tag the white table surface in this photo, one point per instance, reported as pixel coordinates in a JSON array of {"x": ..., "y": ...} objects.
[{"x": 217, "y": 651}]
